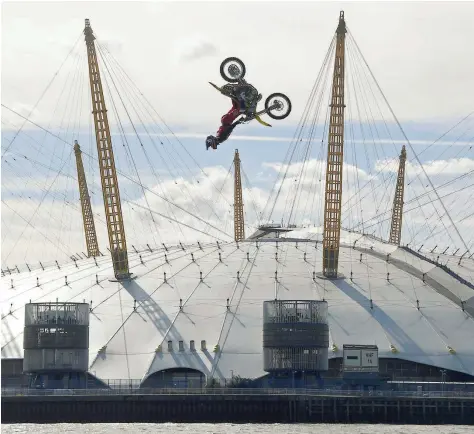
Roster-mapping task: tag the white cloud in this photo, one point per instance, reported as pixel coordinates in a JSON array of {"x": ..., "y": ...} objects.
[
  {"x": 57, "y": 227},
  {"x": 453, "y": 166},
  {"x": 26, "y": 110},
  {"x": 315, "y": 166},
  {"x": 62, "y": 223},
  {"x": 194, "y": 48}
]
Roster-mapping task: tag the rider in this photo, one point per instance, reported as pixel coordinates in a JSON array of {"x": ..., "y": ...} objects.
[{"x": 239, "y": 107}]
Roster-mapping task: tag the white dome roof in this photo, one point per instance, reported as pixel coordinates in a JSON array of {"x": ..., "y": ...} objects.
[{"x": 129, "y": 338}]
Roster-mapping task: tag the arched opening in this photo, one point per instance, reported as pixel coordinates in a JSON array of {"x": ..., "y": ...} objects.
[{"x": 176, "y": 378}]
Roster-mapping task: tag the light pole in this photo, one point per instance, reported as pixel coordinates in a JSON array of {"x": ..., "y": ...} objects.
[{"x": 443, "y": 378}]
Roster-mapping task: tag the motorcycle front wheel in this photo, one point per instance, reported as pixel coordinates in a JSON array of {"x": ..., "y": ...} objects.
[
  {"x": 232, "y": 69},
  {"x": 282, "y": 103}
]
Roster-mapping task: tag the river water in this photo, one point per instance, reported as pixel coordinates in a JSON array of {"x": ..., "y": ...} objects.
[{"x": 204, "y": 428}]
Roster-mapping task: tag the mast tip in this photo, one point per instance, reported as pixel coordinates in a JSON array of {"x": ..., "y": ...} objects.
[{"x": 341, "y": 28}]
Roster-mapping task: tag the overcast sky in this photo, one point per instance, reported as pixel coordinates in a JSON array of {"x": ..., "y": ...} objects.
[
  {"x": 418, "y": 51},
  {"x": 420, "y": 54}
]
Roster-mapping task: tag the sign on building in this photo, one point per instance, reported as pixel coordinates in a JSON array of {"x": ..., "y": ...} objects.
[{"x": 360, "y": 358}]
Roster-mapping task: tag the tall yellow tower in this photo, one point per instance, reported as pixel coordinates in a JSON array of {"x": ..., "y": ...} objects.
[
  {"x": 397, "y": 212},
  {"x": 87, "y": 216},
  {"x": 333, "y": 192},
  {"x": 239, "y": 227},
  {"x": 108, "y": 174}
]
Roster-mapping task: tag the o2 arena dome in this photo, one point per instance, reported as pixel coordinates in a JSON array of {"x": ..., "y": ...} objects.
[
  {"x": 199, "y": 308},
  {"x": 313, "y": 301}
]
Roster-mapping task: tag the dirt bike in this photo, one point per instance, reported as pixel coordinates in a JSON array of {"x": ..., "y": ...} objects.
[{"x": 277, "y": 105}]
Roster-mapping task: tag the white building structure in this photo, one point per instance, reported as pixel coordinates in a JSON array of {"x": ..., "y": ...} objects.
[{"x": 200, "y": 307}]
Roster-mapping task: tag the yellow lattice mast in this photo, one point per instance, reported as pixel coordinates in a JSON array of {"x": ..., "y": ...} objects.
[
  {"x": 108, "y": 174},
  {"x": 87, "y": 216},
  {"x": 333, "y": 193},
  {"x": 239, "y": 229},
  {"x": 397, "y": 212}
]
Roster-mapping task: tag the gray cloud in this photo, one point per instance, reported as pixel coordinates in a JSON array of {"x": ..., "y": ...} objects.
[{"x": 199, "y": 50}]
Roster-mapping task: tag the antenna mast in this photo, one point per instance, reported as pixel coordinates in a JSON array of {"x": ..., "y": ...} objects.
[
  {"x": 108, "y": 174},
  {"x": 333, "y": 193},
  {"x": 87, "y": 216},
  {"x": 397, "y": 212},
  {"x": 239, "y": 229}
]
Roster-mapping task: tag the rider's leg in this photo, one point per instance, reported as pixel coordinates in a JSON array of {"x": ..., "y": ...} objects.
[
  {"x": 225, "y": 132},
  {"x": 231, "y": 115},
  {"x": 226, "y": 128},
  {"x": 227, "y": 121}
]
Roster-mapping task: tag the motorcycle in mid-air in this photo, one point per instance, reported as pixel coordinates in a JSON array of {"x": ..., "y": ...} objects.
[{"x": 277, "y": 105}]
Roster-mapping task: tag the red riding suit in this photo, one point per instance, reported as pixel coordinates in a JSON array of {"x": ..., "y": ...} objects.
[{"x": 228, "y": 119}]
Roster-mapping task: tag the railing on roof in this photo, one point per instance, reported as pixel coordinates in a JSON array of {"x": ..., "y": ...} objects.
[
  {"x": 135, "y": 249},
  {"x": 236, "y": 391},
  {"x": 442, "y": 266},
  {"x": 353, "y": 231}
]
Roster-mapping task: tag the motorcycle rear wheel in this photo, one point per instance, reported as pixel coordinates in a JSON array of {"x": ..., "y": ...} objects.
[{"x": 232, "y": 69}]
